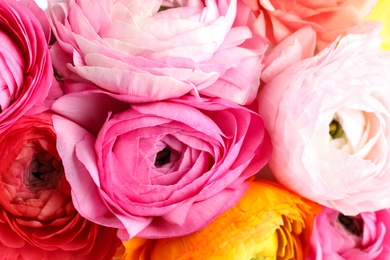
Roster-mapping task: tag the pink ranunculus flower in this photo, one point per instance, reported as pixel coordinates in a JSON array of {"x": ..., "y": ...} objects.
[
  {"x": 153, "y": 50},
  {"x": 37, "y": 216},
  {"x": 25, "y": 66},
  {"x": 157, "y": 169},
  {"x": 329, "y": 121},
  {"x": 364, "y": 236},
  {"x": 276, "y": 19}
]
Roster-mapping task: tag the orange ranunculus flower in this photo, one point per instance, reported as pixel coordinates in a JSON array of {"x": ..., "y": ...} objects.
[
  {"x": 381, "y": 13},
  {"x": 269, "y": 222},
  {"x": 277, "y": 19}
]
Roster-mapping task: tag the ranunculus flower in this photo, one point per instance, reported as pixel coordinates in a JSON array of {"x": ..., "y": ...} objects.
[
  {"x": 269, "y": 222},
  {"x": 381, "y": 13},
  {"x": 37, "y": 217},
  {"x": 25, "y": 67},
  {"x": 360, "y": 237},
  {"x": 157, "y": 169},
  {"x": 276, "y": 19},
  {"x": 329, "y": 120},
  {"x": 154, "y": 49}
]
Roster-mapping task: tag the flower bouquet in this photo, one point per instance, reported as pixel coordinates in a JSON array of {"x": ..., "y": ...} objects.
[{"x": 194, "y": 129}]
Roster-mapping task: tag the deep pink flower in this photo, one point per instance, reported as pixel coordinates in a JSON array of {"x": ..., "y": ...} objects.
[
  {"x": 153, "y": 50},
  {"x": 25, "y": 67},
  {"x": 37, "y": 217},
  {"x": 158, "y": 169},
  {"x": 361, "y": 237}
]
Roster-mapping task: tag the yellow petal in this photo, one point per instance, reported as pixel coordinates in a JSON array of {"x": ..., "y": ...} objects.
[
  {"x": 381, "y": 12},
  {"x": 269, "y": 222}
]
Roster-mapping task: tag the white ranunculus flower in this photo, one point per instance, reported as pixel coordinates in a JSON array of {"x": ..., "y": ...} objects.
[{"x": 329, "y": 120}]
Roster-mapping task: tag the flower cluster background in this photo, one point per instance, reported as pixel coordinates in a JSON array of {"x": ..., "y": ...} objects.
[{"x": 194, "y": 129}]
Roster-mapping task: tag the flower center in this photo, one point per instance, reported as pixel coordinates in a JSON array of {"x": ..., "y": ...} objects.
[
  {"x": 42, "y": 172},
  {"x": 335, "y": 129},
  {"x": 169, "y": 4},
  {"x": 162, "y": 157},
  {"x": 39, "y": 169},
  {"x": 163, "y": 8},
  {"x": 354, "y": 224}
]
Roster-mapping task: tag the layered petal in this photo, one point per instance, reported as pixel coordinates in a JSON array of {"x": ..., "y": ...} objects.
[
  {"x": 25, "y": 67},
  {"x": 330, "y": 19},
  {"x": 37, "y": 216},
  {"x": 268, "y": 222},
  {"x": 336, "y": 236},
  {"x": 155, "y": 50},
  {"x": 328, "y": 119},
  {"x": 158, "y": 169}
]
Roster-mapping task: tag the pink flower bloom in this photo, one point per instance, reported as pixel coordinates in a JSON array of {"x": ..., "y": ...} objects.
[
  {"x": 25, "y": 67},
  {"x": 154, "y": 50},
  {"x": 276, "y": 19},
  {"x": 158, "y": 169},
  {"x": 336, "y": 236},
  {"x": 37, "y": 217},
  {"x": 329, "y": 117}
]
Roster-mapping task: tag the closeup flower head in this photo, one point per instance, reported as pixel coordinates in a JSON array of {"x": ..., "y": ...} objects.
[
  {"x": 157, "y": 169},
  {"x": 268, "y": 222},
  {"x": 329, "y": 117},
  {"x": 150, "y": 50},
  {"x": 38, "y": 219},
  {"x": 364, "y": 236}
]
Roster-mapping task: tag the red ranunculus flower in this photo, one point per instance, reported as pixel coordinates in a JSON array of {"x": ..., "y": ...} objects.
[{"x": 37, "y": 217}]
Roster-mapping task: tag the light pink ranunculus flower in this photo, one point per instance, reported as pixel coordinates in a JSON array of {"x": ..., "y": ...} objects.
[
  {"x": 25, "y": 67},
  {"x": 154, "y": 49},
  {"x": 158, "y": 169},
  {"x": 364, "y": 236},
  {"x": 276, "y": 19},
  {"x": 329, "y": 121}
]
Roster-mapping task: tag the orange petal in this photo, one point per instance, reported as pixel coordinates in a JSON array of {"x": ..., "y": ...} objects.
[{"x": 268, "y": 221}]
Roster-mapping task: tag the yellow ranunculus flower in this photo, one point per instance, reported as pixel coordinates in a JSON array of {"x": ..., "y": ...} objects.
[
  {"x": 269, "y": 222},
  {"x": 381, "y": 12}
]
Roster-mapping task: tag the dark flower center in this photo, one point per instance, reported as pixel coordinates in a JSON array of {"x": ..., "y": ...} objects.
[
  {"x": 40, "y": 168},
  {"x": 354, "y": 224},
  {"x": 335, "y": 129},
  {"x": 43, "y": 172},
  {"x": 162, "y": 157},
  {"x": 163, "y": 8},
  {"x": 172, "y": 4}
]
